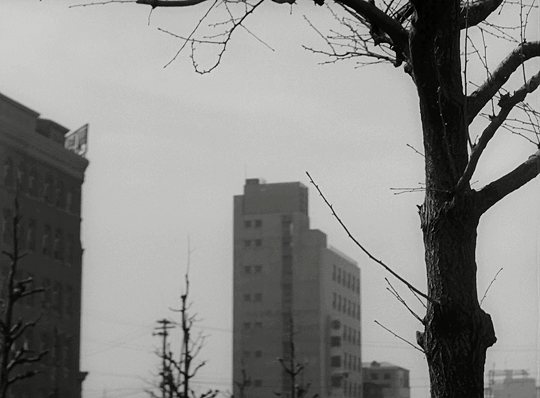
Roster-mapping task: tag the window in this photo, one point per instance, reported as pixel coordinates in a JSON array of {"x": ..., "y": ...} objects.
[
  {"x": 31, "y": 234},
  {"x": 339, "y": 303},
  {"x": 57, "y": 297},
  {"x": 71, "y": 250},
  {"x": 348, "y": 280},
  {"x": 258, "y": 297},
  {"x": 386, "y": 376},
  {"x": 247, "y": 243},
  {"x": 258, "y": 242},
  {"x": 374, "y": 376},
  {"x": 21, "y": 177},
  {"x": 247, "y": 269},
  {"x": 59, "y": 195},
  {"x": 46, "y": 240},
  {"x": 336, "y": 324},
  {"x": 258, "y": 223},
  {"x": 69, "y": 200},
  {"x": 32, "y": 182},
  {"x": 7, "y": 226},
  {"x": 336, "y": 381},
  {"x": 258, "y": 325},
  {"x": 8, "y": 172},
  {"x": 335, "y": 341},
  {"x": 247, "y": 297},
  {"x": 334, "y": 270},
  {"x": 47, "y": 294},
  {"x": 58, "y": 249},
  {"x": 339, "y": 275},
  {"x": 247, "y": 354},
  {"x": 258, "y": 354},
  {"x": 246, "y": 325},
  {"x": 345, "y": 360},
  {"x": 345, "y": 332},
  {"x": 247, "y": 223},
  {"x": 257, "y": 269},
  {"x": 258, "y": 383},
  {"x": 335, "y": 361},
  {"x": 70, "y": 301},
  {"x": 47, "y": 189},
  {"x": 334, "y": 300}
]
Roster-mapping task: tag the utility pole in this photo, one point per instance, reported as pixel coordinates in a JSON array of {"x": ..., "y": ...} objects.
[{"x": 164, "y": 325}]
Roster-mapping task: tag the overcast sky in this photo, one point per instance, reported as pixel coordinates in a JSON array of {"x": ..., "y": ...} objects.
[{"x": 168, "y": 149}]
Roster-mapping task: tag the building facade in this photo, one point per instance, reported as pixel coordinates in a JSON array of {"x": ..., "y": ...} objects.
[
  {"x": 385, "y": 380},
  {"x": 296, "y": 301},
  {"x": 45, "y": 179}
]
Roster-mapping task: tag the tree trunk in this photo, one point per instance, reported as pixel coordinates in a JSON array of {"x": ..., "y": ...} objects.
[{"x": 457, "y": 331}]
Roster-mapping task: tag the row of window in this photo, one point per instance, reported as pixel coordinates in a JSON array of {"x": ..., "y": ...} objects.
[
  {"x": 345, "y": 306},
  {"x": 254, "y": 223},
  {"x": 256, "y": 297},
  {"x": 56, "y": 297},
  {"x": 256, "y": 383},
  {"x": 349, "y": 335},
  {"x": 252, "y": 242},
  {"x": 255, "y": 269},
  {"x": 346, "y": 279},
  {"x": 349, "y": 362},
  {"x": 256, "y": 354},
  {"x": 49, "y": 189},
  {"x": 54, "y": 242},
  {"x": 248, "y": 325},
  {"x": 375, "y": 376}
]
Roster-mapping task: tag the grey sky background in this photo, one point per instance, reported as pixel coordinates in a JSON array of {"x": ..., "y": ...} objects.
[{"x": 168, "y": 149}]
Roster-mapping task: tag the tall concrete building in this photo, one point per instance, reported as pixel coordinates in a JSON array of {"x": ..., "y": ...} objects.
[
  {"x": 296, "y": 300},
  {"x": 46, "y": 178}
]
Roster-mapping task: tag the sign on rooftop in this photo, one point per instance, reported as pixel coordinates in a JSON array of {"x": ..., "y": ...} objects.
[{"x": 77, "y": 141}]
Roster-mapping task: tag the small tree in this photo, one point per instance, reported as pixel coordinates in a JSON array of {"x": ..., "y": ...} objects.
[
  {"x": 14, "y": 354},
  {"x": 177, "y": 371},
  {"x": 294, "y": 369}
]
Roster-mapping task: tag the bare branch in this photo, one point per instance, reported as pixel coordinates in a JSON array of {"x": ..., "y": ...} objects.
[
  {"x": 170, "y": 3},
  {"x": 395, "y": 293},
  {"x": 376, "y": 17},
  {"x": 386, "y": 267},
  {"x": 507, "y": 103},
  {"x": 399, "y": 337},
  {"x": 489, "y": 286},
  {"x": 495, "y": 191},
  {"x": 480, "y": 97},
  {"x": 477, "y": 12}
]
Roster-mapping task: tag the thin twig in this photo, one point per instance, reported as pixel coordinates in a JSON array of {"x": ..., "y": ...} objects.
[
  {"x": 382, "y": 264},
  {"x": 491, "y": 283},
  {"x": 392, "y": 290},
  {"x": 399, "y": 337}
]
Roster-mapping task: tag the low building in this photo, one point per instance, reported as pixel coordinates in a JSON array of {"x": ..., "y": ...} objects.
[
  {"x": 385, "y": 380},
  {"x": 509, "y": 383}
]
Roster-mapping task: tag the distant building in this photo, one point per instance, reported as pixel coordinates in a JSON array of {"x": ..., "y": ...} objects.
[
  {"x": 289, "y": 286},
  {"x": 47, "y": 179},
  {"x": 509, "y": 383},
  {"x": 385, "y": 380}
]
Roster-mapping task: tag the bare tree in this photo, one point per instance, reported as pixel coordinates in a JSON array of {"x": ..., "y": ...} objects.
[
  {"x": 177, "y": 371},
  {"x": 294, "y": 369},
  {"x": 15, "y": 354},
  {"x": 437, "y": 43}
]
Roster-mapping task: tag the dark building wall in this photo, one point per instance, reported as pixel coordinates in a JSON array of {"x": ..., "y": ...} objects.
[{"x": 47, "y": 181}]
